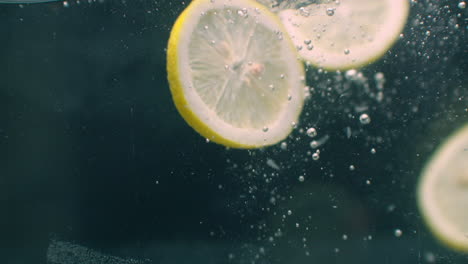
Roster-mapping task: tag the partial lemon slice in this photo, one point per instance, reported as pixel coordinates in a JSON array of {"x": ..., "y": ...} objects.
[
  {"x": 346, "y": 33},
  {"x": 443, "y": 192},
  {"x": 234, "y": 75}
]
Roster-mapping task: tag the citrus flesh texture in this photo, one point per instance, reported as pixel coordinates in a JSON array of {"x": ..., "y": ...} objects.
[
  {"x": 443, "y": 192},
  {"x": 234, "y": 74},
  {"x": 338, "y": 35}
]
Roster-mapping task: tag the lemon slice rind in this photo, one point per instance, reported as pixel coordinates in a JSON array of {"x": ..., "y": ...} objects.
[
  {"x": 195, "y": 111},
  {"x": 443, "y": 192}
]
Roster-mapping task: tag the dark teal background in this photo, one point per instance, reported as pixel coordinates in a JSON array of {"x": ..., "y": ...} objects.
[{"x": 93, "y": 151}]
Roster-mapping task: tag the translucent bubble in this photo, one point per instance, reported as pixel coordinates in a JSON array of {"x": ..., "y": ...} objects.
[
  {"x": 379, "y": 77},
  {"x": 314, "y": 144},
  {"x": 284, "y": 145},
  {"x": 265, "y": 129},
  {"x": 373, "y": 151},
  {"x": 379, "y": 80},
  {"x": 462, "y": 5},
  {"x": 311, "y": 132},
  {"x": 430, "y": 257},
  {"x": 319, "y": 142},
  {"x": 272, "y": 164},
  {"x": 346, "y": 51},
  {"x": 398, "y": 232},
  {"x": 351, "y": 167},
  {"x": 344, "y": 237},
  {"x": 289, "y": 212},
  {"x": 66, "y": 4},
  {"x": 330, "y": 11},
  {"x": 350, "y": 74},
  {"x": 364, "y": 119},
  {"x": 304, "y": 12},
  {"x": 242, "y": 13},
  {"x": 301, "y": 178},
  {"x": 261, "y": 250},
  {"x": 315, "y": 156}
]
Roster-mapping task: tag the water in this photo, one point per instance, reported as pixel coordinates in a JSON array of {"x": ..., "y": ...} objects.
[{"x": 95, "y": 159}]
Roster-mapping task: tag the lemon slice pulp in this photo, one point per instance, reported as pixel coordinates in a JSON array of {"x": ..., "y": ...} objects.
[
  {"x": 346, "y": 33},
  {"x": 234, "y": 75},
  {"x": 443, "y": 192}
]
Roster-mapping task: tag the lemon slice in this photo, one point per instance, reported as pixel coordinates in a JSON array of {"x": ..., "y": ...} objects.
[
  {"x": 344, "y": 34},
  {"x": 443, "y": 192},
  {"x": 234, "y": 75}
]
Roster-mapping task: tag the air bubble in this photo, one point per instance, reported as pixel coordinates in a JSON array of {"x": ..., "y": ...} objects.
[
  {"x": 364, "y": 119},
  {"x": 351, "y": 74},
  {"x": 314, "y": 144},
  {"x": 351, "y": 167},
  {"x": 430, "y": 257},
  {"x": 462, "y": 5},
  {"x": 304, "y": 12},
  {"x": 301, "y": 178},
  {"x": 330, "y": 11},
  {"x": 284, "y": 145},
  {"x": 242, "y": 13},
  {"x": 398, "y": 232},
  {"x": 373, "y": 151},
  {"x": 346, "y": 51},
  {"x": 265, "y": 129},
  {"x": 315, "y": 156},
  {"x": 66, "y": 4},
  {"x": 311, "y": 132}
]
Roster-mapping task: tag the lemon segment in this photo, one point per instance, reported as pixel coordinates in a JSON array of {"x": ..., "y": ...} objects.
[
  {"x": 443, "y": 192},
  {"x": 345, "y": 34},
  {"x": 233, "y": 74}
]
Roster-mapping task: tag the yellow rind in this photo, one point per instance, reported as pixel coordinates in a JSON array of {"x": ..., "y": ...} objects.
[
  {"x": 434, "y": 227},
  {"x": 176, "y": 85}
]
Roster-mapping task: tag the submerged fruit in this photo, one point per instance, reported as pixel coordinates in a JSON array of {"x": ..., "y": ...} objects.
[
  {"x": 234, "y": 75},
  {"x": 344, "y": 34},
  {"x": 443, "y": 192}
]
